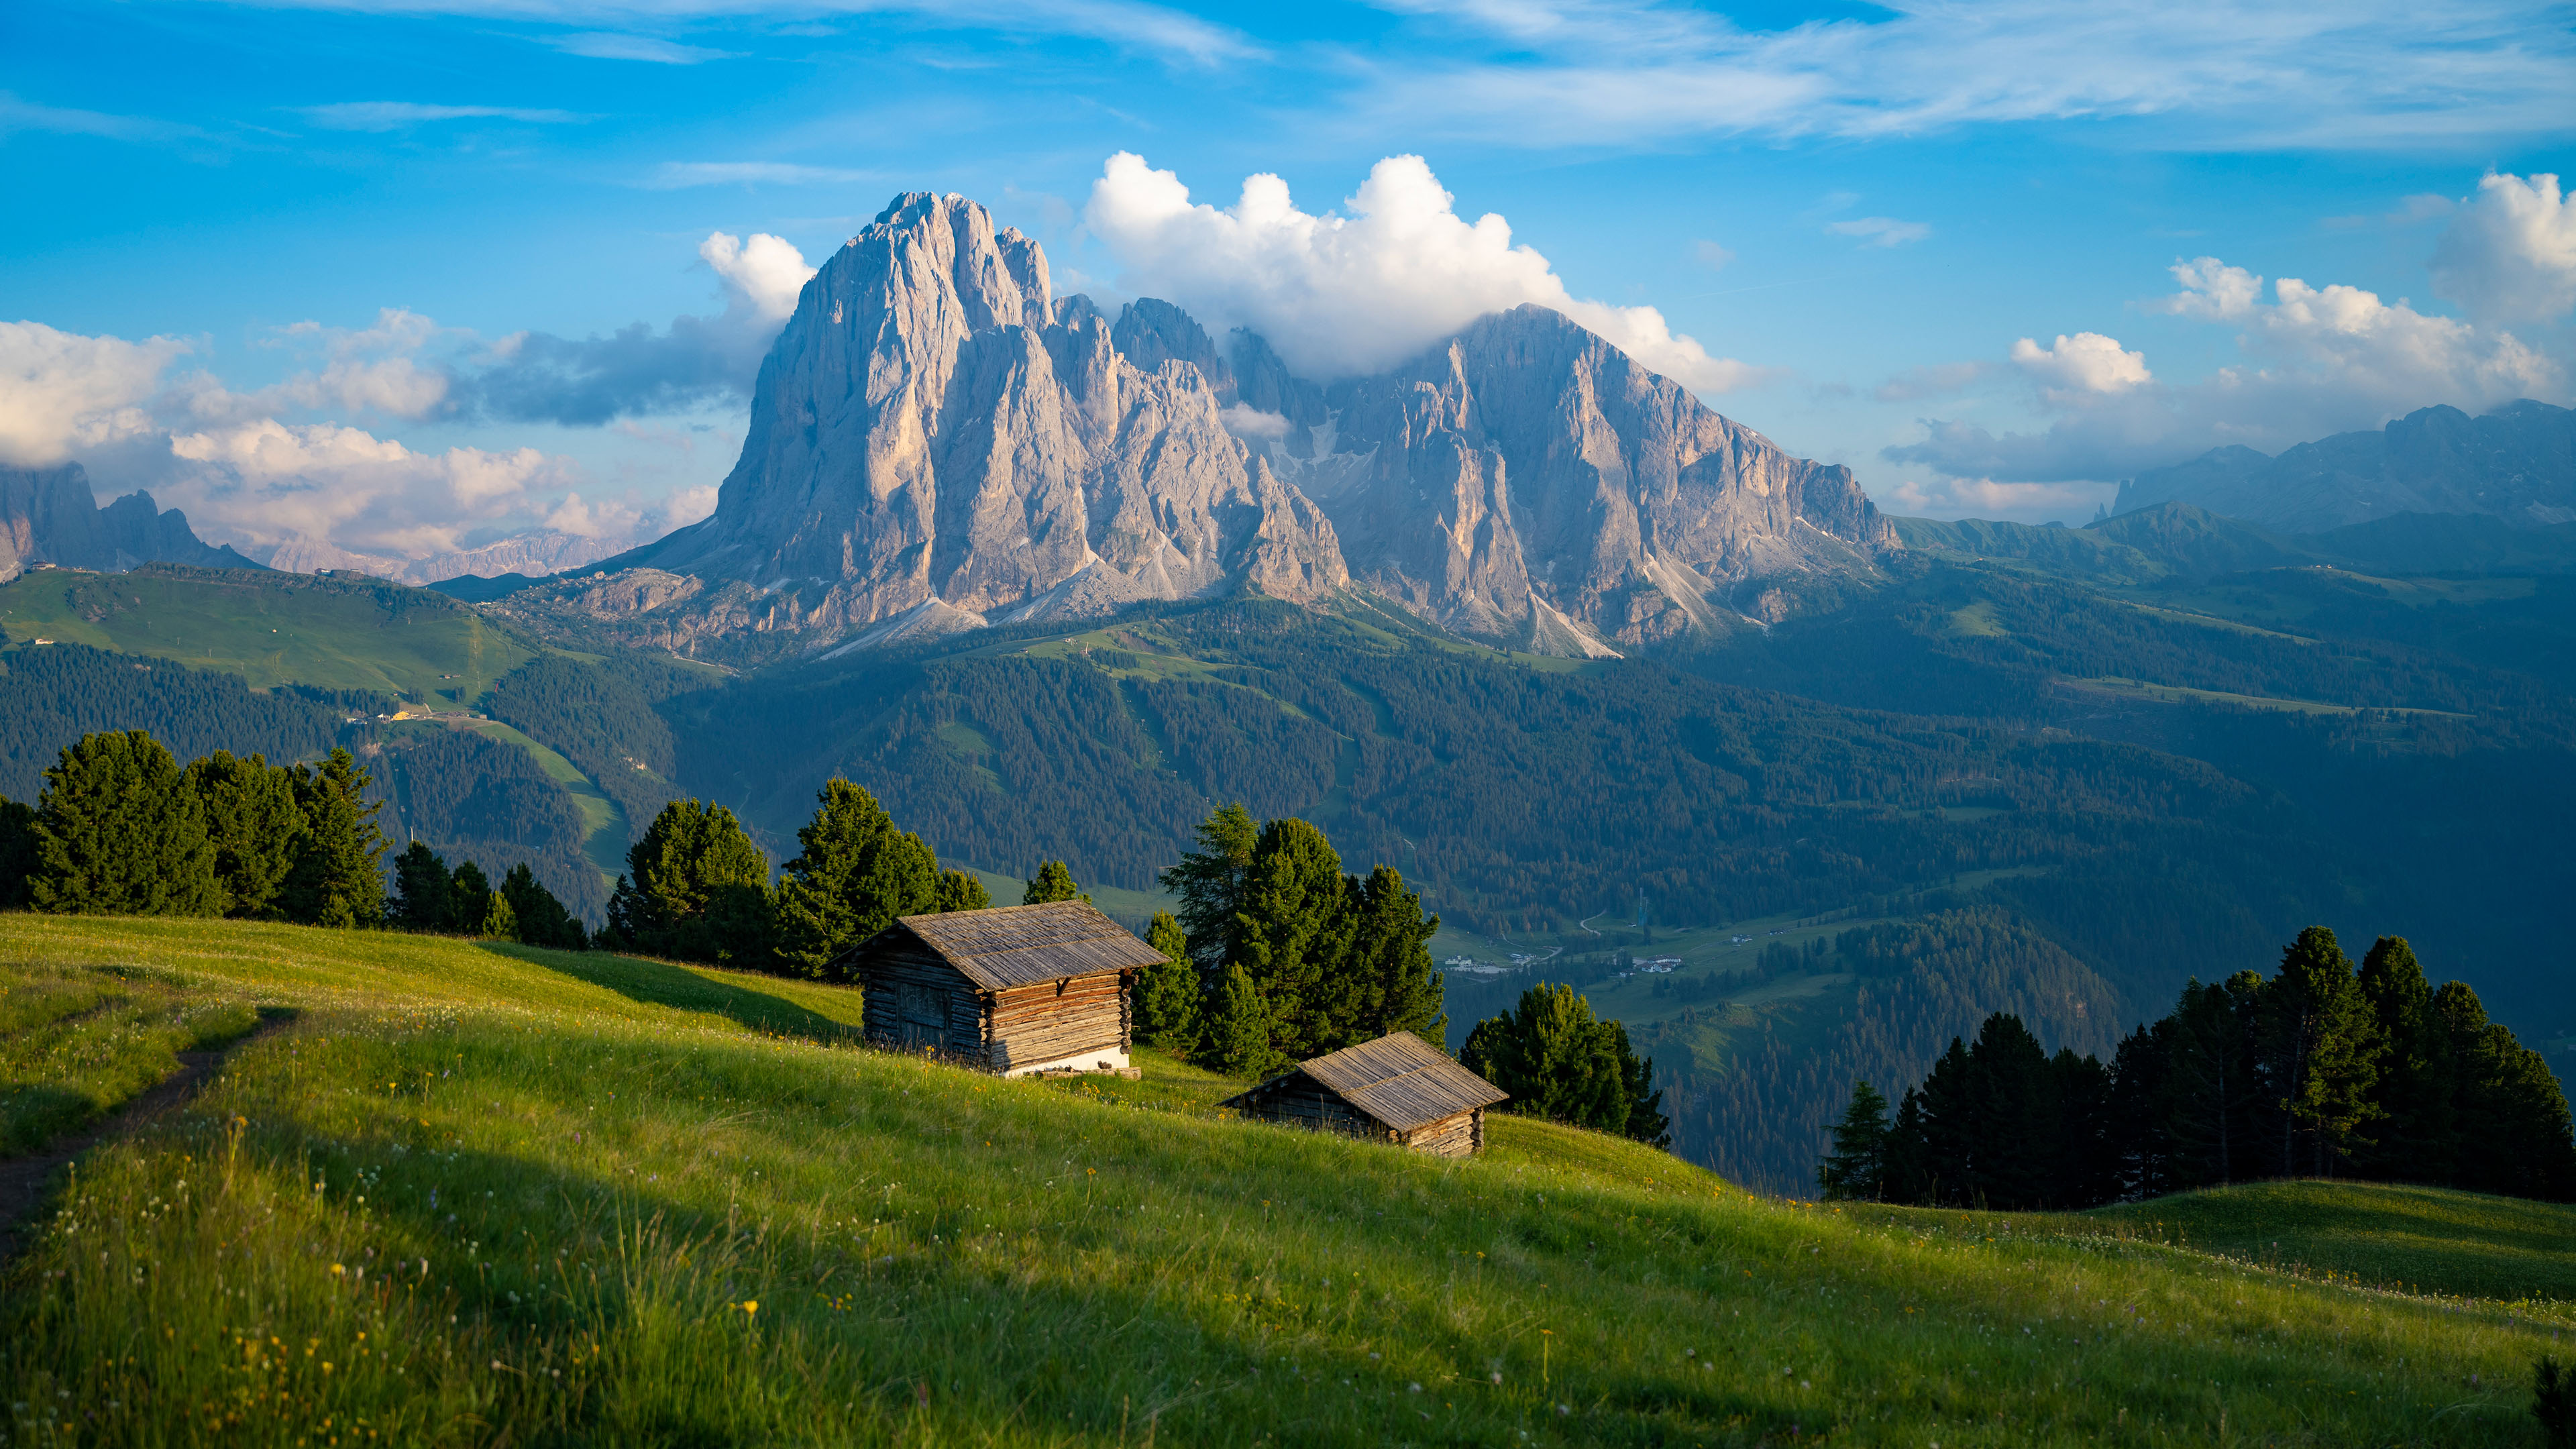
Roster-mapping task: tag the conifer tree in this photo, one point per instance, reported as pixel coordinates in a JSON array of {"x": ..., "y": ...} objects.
[
  {"x": 2415, "y": 1096},
  {"x": 695, "y": 889},
  {"x": 1560, "y": 1062},
  {"x": 1209, "y": 883},
  {"x": 2510, "y": 1114},
  {"x": 1292, "y": 933},
  {"x": 2321, "y": 1050},
  {"x": 119, "y": 833},
  {"x": 854, "y": 876},
  {"x": 959, "y": 890},
  {"x": 470, "y": 902},
  {"x": 1237, "y": 1041},
  {"x": 538, "y": 918},
  {"x": 338, "y": 878},
  {"x": 1053, "y": 882},
  {"x": 17, "y": 852},
  {"x": 1857, "y": 1167},
  {"x": 255, "y": 826},
  {"x": 423, "y": 891},
  {"x": 1167, "y": 994},
  {"x": 1384, "y": 981}
]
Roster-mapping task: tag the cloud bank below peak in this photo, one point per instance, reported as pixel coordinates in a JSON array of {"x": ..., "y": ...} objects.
[{"x": 1340, "y": 295}]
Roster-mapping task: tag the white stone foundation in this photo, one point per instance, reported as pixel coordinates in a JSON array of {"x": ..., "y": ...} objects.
[{"x": 1100, "y": 1059}]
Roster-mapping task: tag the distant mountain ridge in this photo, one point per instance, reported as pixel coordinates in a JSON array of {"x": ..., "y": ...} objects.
[
  {"x": 939, "y": 442},
  {"x": 51, "y": 516},
  {"x": 2517, "y": 463}
]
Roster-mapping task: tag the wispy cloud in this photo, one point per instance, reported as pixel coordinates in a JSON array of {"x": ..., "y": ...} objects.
[
  {"x": 24, "y": 115},
  {"x": 1881, "y": 231},
  {"x": 610, "y": 45},
  {"x": 2212, "y": 74},
  {"x": 399, "y": 115},
  {"x": 674, "y": 175}
]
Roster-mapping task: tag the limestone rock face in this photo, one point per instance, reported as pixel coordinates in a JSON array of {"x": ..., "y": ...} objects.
[
  {"x": 49, "y": 515},
  {"x": 938, "y": 442}
]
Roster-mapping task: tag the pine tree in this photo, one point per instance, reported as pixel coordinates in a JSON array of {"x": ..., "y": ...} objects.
[
  {"x": 470, "y": 902},
  {"x": 1292, "y": 933},
  {"x": 959, "y": 890},
  {"x": 1557, "y": 1060},
  {"x": 1384, "y": 981},
  {"x": 696, "y": 889},
  {"x": 1646, "y": 1120},
  {"x": 1167, "y": 994},
  {"x": 423, "y": 891},
  {"x": 1052, "y": 883},
  {"x": 1210, "y": 883},
  {"x": 119, "y": 833},
  {"x": 2415, "y": 1096},
  {"x": 1239, "y": 1030},
  {"x": 17, "y": 852},
  {"x": 338, "y": 878},
  {"x": 540, "y": 919},
  {"x": 254, "y": 824},
  {"x": 2321, "y": 1050},
  {"x": 1857, "y": 1167},
  {"x": 1905, "y": 1171},
  {"x": 854, "y": 876},
  {"x": 2510, "y": 1114}
]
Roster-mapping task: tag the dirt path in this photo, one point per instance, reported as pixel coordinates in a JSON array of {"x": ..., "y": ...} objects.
[{"x": 24, "y": 1180}]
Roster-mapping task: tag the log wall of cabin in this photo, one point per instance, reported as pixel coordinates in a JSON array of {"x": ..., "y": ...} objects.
[
  {"x": 1056, "y": 1019},
  {"x": 1457, "y": 1136},
  {"x": 882, "y": 980},
  {"x": 1303, "y": 1102}
]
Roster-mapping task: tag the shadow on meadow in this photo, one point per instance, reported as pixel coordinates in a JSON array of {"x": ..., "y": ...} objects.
[{"x": 664, "y": 983}]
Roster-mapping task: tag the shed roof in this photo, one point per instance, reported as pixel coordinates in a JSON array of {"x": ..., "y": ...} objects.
[
  {"x": 1005, "y": 946},
  {"x": 1401, "y": 1081}
]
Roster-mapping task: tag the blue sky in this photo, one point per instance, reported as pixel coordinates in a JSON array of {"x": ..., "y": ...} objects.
[{"x": 336, "y": 217}]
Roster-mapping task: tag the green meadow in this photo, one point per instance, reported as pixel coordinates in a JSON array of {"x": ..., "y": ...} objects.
[{"x": 470, "y": 1194}]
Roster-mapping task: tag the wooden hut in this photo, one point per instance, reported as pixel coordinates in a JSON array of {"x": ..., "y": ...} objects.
[
  {"x": 1013, "y": 989},
  {"x": 1394, "y": 1089}
]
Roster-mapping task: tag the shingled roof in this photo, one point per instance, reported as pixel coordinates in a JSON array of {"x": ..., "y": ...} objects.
[
  {"x": 1400, "y": 1080},
  {"x": 1006, "y": 946}
]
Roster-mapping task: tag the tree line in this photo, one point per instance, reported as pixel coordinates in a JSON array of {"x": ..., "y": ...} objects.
[
  {"x": 122, "y": 828},
  {"x": 2320, "y": 1070}
]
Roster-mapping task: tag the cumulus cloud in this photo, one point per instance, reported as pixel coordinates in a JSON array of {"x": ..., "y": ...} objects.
[
  {"x": 268, "y": 482},
  {"x": 2320, "y": 360},
  {"x": 2510, "y": 255},
  {"x": 2087, "y": 362},
  {"x": 1881, "y": 231},
  {"x": 1338, "y": 295},
  {"x": 64, "y": 392},
  {"x": 1986, "y": 498},
  {"x": 634, "y": 371}
]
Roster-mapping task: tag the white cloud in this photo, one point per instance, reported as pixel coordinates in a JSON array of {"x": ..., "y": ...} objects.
[
  {"x": 607, "y": 45},
  {"x": 1881, "y": 231},
  {"x": 61, "y": 392},
  {"x": 2087, "y": 362},
  {"x": 2212, "y": 73},
  {"x": 1710, "y": 255},
  {"x": 266, "y": 482},
  {"x": 2510, "y": 256},
  {"x": 17, "y": 114},
  {"x": 396, "y": 115},
  {"x": 1338, "y": 295},
  {"x": 1951, "y": 498},
  {"x": 764, "y": 274},
  {"x": 674, "y": 175}
]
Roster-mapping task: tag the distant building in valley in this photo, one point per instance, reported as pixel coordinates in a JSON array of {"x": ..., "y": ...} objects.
[
  {"x": 1395, "y": 1089},
  {"x": 1013, "y": 990}
]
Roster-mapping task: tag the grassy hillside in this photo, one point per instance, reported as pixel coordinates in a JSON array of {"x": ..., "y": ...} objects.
[
  {"x": 476, "y": 1194},
  {"x": 271, "y": 628}
]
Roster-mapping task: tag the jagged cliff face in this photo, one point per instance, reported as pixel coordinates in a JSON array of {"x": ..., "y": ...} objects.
[
  {"x": 50, "y": 516},
  {"x": 939, "y": 442}
]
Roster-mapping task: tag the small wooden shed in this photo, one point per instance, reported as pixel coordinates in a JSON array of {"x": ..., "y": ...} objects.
[
  {"x": 1013, "y": 989},
  {"x": 1394, "y": 1089}
]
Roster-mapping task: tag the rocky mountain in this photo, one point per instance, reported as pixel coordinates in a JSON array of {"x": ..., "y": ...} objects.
[
  {"x": 939, "y": 442},
  {"x": 50, "y": 516},
  {"x": 536, "y": 553},
  {"x": 2517, "y": 463}
]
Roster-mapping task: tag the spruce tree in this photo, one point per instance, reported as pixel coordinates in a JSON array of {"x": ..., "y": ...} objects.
[
  {"x": 1237, "y": 1040},
  {"x": 1052, "y": 883},
  {"x": 1646, "y": 1121},
  {"x": 17, "y": 852},
  {"x": 959, "y": 890},
  {"x": 538, "y": 918},
  {"x": 1292, "y": 933},
  {"x": 255, "y": 825},
  {"x": 1167, "y": 994},
  {"x": 697, "y": 889},
  {"x": 1857, "y": 1167},
  {"x": 1905, "y": 1170},
  {"x": 1558, "y": 1061},
  {"x": 1384, "y": 981},
  {"x": 470, "y": 901},
  {"x": 854, "y": 876},
  {"x": 119, "y": 833},
  {"x": 2321, "y": 1051},
  {"x": 1210, "y": 883},
  {"x": 338, "y": 878},
  {"x": 2509, "y": 1112},
  {"x": 423, "y": 891},
  {"x": 2415, "y": 1095}
]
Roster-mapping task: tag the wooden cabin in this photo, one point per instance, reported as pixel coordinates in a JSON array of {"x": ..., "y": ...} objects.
[
  {"x": 1013, "y": 990},
  {"x": 1394, "y": 1089}
]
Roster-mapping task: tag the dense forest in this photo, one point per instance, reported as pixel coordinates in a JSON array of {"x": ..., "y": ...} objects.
[
  {"x": 601, "y": 717},
  {"x": 470, "y": 797},
  {"x": 51, "y": 695}
]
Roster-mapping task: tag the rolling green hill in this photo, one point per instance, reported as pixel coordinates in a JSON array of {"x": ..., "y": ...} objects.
[
  {"x": 272, "y": 628},
  {"x": 477, "y": 1195}
]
